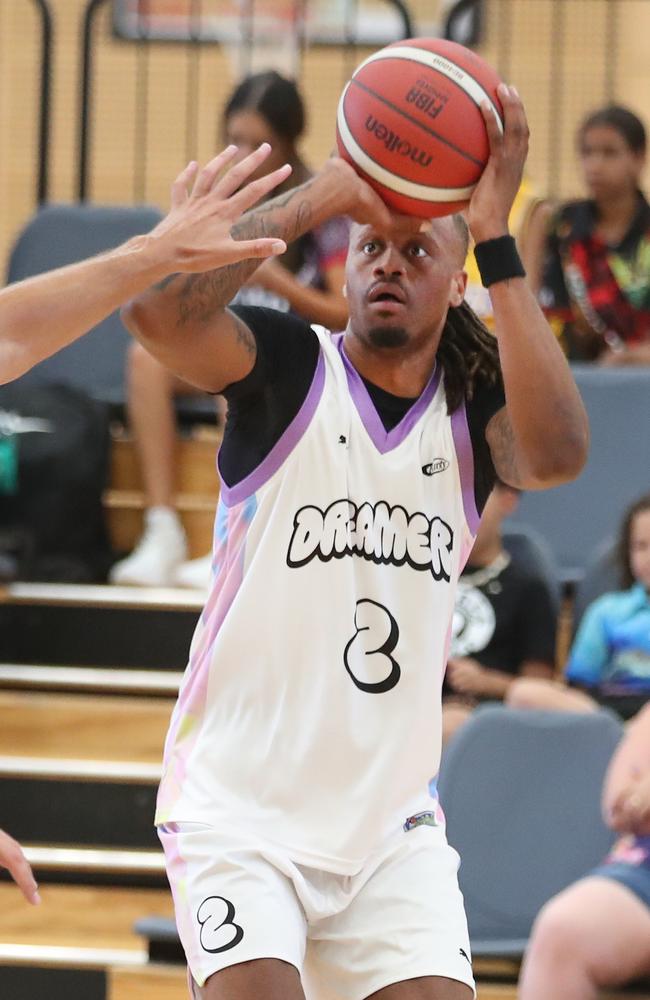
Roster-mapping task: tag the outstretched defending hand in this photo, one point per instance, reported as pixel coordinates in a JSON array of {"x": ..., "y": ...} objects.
[
  {"x": 196, "y": 234},
  {"x": 13, "y": 859},
  {"x": 490, "y": 204}
]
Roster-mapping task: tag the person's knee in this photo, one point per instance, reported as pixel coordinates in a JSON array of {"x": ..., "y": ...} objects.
[
  {"x": 453, "y": 717},
  {"x": 557, "y": 937},
  {"x": 526, "y": 692}
]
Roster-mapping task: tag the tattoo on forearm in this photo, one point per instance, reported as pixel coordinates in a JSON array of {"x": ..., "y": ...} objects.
[
  {"x": 502, "y": 448},
  {"x": 160, "y": 286},
  {"x": 244, "y": 336},
  {"x": 200, "y": 296}
]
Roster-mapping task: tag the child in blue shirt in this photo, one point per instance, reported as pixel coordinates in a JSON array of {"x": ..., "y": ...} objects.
[{"x": 609, "y": 663}]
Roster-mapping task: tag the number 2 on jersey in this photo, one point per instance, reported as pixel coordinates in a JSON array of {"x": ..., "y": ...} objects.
[{"x": 367, "y": 656}]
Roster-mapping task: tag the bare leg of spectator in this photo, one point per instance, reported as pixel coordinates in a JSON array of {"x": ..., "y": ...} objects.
[
  {"x": 162, "y": 547},
  {"x": 528, "y": 692},
  {"x": 594, "y": 934},
  {"x": 453, "y": 717}
]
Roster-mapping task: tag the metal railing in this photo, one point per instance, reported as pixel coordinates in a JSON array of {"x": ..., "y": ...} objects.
[
  {"x": 44, "y": 116},
  {"x": 193, "y": 40}
]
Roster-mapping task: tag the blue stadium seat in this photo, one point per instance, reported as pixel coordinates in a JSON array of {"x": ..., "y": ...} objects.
[
  {"x": 533, "y": 553},
  {"x": 62, "y": 234},
  {"x": 576, "y": 517},
  {"x": 521, "y": 793},
  {"x": 602, "y": 575}
]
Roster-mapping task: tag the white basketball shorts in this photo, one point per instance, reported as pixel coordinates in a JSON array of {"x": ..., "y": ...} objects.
[{"x": 238, "y": 898}]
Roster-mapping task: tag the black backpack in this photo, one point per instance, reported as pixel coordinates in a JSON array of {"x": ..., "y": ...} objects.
[{"x": 54, "y": 460}]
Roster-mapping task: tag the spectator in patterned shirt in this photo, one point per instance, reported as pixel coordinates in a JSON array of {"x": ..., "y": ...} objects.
[
  {"x": 264, "y": 107},
  {"x": 596, "y": 933},
  {"x": 595, "y": 283}
]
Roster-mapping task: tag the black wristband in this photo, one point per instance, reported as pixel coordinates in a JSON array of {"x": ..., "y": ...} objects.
[{"x": 498, "y": 260}]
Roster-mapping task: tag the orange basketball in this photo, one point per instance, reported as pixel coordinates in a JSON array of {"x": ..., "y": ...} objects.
[{"x": 410, "y": 123}]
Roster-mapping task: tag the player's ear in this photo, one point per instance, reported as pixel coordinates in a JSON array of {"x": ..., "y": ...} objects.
[{"x": 458, "y": 286}]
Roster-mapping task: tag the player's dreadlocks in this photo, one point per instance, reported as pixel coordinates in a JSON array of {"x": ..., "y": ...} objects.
[{"x": 468, "y": 352}]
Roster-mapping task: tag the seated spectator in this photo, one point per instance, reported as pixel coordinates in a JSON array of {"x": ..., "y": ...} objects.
[
  {"x": 609, "y": 663},
  {"x": 595, "y": 285},
  {"x": 596, "y": 933},
  {"x": 504, "y": 622},
  {"x": 265, "y": 107}
]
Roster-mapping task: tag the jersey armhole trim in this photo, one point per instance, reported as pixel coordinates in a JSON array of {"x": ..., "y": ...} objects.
[
  {"x": 465, "y": 456},
  {"x": 231, "y": 495}
]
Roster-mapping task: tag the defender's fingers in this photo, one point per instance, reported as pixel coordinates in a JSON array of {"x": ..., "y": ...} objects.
[
  {"x": 20, "y": 870},
  {"x": 253, "y": 249},
  {"x": 210, "y": 172},
  {"x": 180, "y": 186},
  {"x": 256, "y": 190},
  {"x": 239, "y": 174}
]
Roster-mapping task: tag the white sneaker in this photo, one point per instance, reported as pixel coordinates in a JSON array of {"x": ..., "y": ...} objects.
[
  {"x": 195, "y": 574},
  {"x": 160, "y": 551}
]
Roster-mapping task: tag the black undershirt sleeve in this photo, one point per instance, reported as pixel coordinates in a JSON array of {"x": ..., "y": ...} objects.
[
  {"x": 262, "y": 405},
  {"x": 487, "y": 400}
]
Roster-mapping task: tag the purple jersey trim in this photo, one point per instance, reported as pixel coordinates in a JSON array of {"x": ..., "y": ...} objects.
[
  {"x": 281, "y": 450},
  {"x": 382, "y": 439},
  {"x": 465, "y": 456}
]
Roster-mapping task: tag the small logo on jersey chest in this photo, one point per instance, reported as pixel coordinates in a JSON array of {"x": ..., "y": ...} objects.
[
  {"x": 420, "y": 819},
  {"x": 438, "y": 465}
]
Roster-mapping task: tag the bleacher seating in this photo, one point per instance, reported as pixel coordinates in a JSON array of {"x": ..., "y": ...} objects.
[
  {"x": 63, "y": 234},
  {"x": 577, "y": 517}
]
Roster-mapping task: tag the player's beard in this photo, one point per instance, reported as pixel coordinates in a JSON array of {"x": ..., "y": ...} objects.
[{"x": 388, "y": 336}]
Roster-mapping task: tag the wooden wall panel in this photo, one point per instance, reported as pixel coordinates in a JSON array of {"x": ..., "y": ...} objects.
[{"x": 519, "y": 37}]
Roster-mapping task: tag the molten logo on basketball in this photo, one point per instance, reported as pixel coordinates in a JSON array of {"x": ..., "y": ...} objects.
[{"x": 395, "y": 144}]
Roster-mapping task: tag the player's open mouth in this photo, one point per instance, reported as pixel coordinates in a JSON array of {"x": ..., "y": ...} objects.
[{"x": 386, "y": 294}]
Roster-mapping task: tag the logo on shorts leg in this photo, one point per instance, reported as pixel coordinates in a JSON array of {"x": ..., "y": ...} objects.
[
  {"x": 219, "y": 932},
  {"x": 420, "y": 819}
]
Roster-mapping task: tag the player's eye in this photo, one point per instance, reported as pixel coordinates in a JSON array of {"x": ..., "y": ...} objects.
[
  {"x": 416, "y": 250},
  {"x": 370, "y": 247}
]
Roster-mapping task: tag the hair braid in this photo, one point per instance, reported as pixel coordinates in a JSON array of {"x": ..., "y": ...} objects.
[{"x": 469, "y": 355}]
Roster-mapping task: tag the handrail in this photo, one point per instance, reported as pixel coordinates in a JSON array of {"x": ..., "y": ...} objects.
[
  {"x": 86, "y": 82},
  {"x": 47, "y": 33},
  {"x": 405, "y": 17},
  {"x": 85, "y": 95}
]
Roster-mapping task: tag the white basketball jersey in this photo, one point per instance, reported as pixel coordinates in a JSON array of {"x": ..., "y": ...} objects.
[{"x": 310, "y": 712}]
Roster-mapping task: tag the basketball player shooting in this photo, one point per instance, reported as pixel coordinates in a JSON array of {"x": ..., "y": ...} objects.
[{"x": 304, "y": 849}]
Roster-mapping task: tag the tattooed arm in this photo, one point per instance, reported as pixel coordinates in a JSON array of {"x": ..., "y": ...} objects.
[
  {"x": 184, "y": 322},
  {"x": 541, "y": 436},
  {"x": 46, "y": 313}
]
